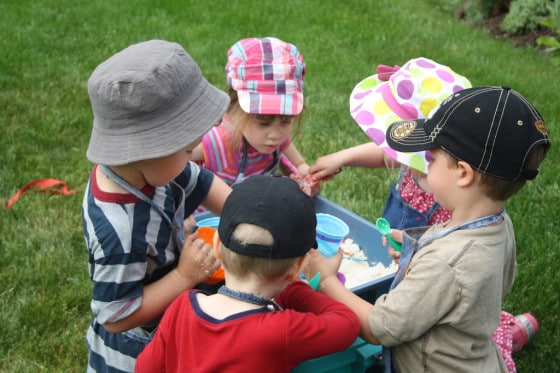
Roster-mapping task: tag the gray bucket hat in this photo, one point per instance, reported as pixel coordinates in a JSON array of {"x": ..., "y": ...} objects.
[{"x": 149, "y": 100}]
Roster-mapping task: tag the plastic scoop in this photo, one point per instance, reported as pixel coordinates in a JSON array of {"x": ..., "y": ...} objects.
[
  {"x": 385, "y": 229},
  {"x": 315, "y": 280}
]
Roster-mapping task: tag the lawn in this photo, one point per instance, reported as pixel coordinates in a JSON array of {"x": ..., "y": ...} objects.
[{"x": 50, "y": 48}]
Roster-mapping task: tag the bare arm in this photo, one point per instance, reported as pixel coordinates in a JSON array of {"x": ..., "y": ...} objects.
[
  {"x": 196, "y": 263},
  {"x": 216, "y": 196},
  {"x": 366, "y": 155},
  {"x": 295, "y": 158},
  {"x": 331, "y": 286}
]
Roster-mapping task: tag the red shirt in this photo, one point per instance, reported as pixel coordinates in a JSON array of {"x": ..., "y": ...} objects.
[{"x": 189, "y": 340}]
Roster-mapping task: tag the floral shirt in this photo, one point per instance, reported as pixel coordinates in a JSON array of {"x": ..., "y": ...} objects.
[{"x": 415, "y": 197}]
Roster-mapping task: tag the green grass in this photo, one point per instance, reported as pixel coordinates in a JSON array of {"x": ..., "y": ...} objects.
[{"x": 50, "y": 48}]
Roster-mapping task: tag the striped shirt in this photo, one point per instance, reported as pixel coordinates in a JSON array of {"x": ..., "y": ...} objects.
[{"x": 129, "y": 246}]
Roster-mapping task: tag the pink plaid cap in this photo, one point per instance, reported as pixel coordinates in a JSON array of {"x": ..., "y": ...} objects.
[
  {"x": 267, "y": 74},
  {"x": 396, "y": 94}
]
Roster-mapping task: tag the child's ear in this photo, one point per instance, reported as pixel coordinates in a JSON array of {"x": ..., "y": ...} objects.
[
  {"x": 218, "y": 250},
  {"x": 466, "y": 174},
  {"x": 301, "y": 262},
  {"x": 217, "y": 245},
  {"x": 297, "y": 269}
]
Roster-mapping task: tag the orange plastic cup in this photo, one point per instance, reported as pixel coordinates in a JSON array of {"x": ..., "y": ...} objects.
[{"x": 210, "y": 235}]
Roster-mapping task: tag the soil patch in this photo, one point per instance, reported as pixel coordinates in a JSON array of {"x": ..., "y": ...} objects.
[{"x": 492, "y": 26}]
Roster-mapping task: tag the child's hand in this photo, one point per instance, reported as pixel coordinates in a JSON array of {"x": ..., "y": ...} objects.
[
  {"x": 318, "y": 263},
  {"x": 303, "y": 170},
  {"x": 311, "y": 185},
  {"x": 396, "y": 234},
  {"x": 315, "y": 189},
  {"x": 326, "y": 166},
  {"x": 307, "y": 184},
  {"x": 396, "y": 255},
  {"x": 189, "y": 224},
  {"x": 197, "y": 261}
]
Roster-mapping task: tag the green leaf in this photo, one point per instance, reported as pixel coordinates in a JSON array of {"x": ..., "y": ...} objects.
[
  {"x": 549, "y": 23},
  {"x": 548, "y": 41}
]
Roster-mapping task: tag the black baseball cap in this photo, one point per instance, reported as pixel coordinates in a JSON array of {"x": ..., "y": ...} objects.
[
  {"x": 276, "y": 204},
  {"x": 494, "y": 129}
]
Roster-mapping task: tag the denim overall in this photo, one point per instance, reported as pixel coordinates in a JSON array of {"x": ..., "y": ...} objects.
[
  {"x": 411, "y": 243},
  {"x": 399, "y": 214}
]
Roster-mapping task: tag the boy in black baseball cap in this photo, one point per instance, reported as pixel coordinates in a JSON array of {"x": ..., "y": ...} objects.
[
  {"x": 264, "y": 317},
  {"x": 445, "y": 301}
]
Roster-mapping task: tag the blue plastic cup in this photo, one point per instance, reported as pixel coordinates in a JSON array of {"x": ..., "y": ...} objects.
[
  {"x": 331, "y": 231},
  {"x": 212, "y": 222}
]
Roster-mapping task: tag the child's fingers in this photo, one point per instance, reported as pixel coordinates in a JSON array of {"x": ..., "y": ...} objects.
[
  {"x": 198, "y": 259},
  {"x": 316, "y": 189},
  {"x": 326, "y": 174},
  {"x": 189, "y": 224},
  {"x": 189, "y": 239},
  {"x": 394, "y": 254},
  {"x": 384, "y": 241},
  {"x": 396, "y": 234}
]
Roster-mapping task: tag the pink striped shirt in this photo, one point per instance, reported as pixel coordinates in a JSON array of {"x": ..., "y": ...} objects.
[{"x": 225, "y": 162}]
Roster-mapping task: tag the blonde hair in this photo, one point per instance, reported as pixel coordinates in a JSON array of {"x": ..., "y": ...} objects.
[
  {"x": 239, "y": 119},
  {"x": 243, "y": 266}
]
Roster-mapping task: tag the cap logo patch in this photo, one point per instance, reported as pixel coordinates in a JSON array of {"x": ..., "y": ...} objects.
[
  {"x": 539, "y": 125},
  {"x": 403, "y": 130}
]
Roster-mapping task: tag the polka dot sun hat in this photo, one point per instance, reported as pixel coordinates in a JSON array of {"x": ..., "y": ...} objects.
[{"x": 396, "y": 94}]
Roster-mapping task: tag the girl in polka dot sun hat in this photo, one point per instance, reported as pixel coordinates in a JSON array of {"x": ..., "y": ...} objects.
[{"x": 396, "y": 94}]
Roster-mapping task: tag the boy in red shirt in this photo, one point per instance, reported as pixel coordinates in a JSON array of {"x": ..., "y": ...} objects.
[{"x": 264, "y": 318}]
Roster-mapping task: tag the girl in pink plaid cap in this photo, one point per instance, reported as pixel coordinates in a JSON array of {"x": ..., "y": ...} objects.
[
  {"x": 396, "y": 94},
  {"x": 265, "y": 78}
]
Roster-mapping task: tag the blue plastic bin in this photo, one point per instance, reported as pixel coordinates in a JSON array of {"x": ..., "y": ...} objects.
[{"x": 357, "y": 358}]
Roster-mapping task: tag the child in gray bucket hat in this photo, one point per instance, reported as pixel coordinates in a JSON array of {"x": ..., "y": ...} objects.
[{"x": 151, "y": 107}]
